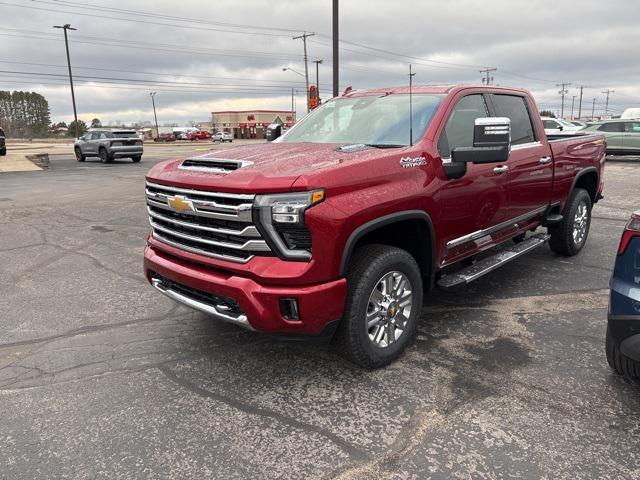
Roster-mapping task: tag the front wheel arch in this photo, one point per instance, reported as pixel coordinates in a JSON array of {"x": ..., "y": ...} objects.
[{"x": 377, "y": 231}]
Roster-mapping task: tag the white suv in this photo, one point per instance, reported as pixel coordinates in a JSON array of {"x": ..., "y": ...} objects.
[
  {"x": 555, "y": 126},
  {"x": 222, "y": 137}
]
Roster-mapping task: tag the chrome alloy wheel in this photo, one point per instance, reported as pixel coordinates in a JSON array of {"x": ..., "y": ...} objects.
[
  {"x": 389, "y": 309},
  {"x": 580, "y": 222}
]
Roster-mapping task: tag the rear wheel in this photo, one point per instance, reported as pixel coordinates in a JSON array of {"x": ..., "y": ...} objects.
[
  {"x": 104, "y": 156},
  {"x": 570, "y": 235},
  {"x": 383, "y": 306},
  {"x": 619, "y": 362},
  {"x": 137, "y": 158},
  {"x": 79, "y": 156}
]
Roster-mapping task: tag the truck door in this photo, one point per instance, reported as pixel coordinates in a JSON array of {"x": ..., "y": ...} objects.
[
  {"x": 477, "y": 200},
  {"x": 530, "y": 165}
]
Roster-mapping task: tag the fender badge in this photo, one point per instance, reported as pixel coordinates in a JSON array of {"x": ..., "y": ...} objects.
[
  {"x": 408, "y": 162},
  {"x": 180, "y": 204}
]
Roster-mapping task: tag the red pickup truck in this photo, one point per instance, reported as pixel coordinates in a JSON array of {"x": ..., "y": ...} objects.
[{"x": 341, "y": 225}]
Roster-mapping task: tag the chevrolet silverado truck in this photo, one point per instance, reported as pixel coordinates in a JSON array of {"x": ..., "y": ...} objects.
[{"x": 340, "y": 226}]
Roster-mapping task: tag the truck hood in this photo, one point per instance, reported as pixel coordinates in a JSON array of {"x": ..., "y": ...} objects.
[{"x": 266, "y": 167}]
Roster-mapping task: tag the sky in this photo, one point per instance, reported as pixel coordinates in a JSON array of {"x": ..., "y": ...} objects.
[{"x": 203, "y": 56}]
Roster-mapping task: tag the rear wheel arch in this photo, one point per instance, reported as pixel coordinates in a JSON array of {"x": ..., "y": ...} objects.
[
  {"x": 410, "y": 230},
  {"x": 587, "y": 179}
]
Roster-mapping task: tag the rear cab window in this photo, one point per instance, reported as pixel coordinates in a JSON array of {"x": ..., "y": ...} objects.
[{"x": 515, "y": 107}]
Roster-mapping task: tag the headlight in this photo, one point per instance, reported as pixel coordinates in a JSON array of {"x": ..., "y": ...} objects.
[{"x": 280, "y": 217}]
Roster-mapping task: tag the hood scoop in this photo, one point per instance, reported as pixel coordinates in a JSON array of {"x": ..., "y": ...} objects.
[{"x": 213, "y": 165}]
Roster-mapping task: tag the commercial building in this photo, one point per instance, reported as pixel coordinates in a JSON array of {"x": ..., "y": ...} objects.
[{"x": 250, "y": 123}]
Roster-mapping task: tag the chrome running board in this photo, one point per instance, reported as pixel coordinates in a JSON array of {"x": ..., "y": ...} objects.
[{"x": 481, "y": 268}]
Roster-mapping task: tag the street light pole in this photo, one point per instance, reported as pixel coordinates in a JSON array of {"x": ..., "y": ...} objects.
[
  {"x": 304, "y": 37},
  {"x": 66, "y": 27},
  {"x": 318, "y": 62},
  {"x": 593, "y": 109},
  {"x": 336, "y": 50},
  {"x": 153, "y": 101}
]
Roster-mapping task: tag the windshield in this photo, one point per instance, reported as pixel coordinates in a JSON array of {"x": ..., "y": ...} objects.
[{"x": 371, "y": 120}]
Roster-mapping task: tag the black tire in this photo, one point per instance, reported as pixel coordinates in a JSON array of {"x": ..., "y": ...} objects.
[
  {"x": 137, "y": 158},
  {"x": 3, "y": 151},
  {"x": 619, "y": 362},
  {"x": 562, "y": 240},
  {"x": 104, "y": 156},
  {"x": 369, "y": 265},
  {"x": 79, "y": 156}
]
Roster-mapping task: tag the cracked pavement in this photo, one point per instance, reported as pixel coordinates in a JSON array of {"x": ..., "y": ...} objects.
[{"x": 101, "y": 377}]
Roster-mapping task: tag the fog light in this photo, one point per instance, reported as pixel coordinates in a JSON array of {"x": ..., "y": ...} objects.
[{"x": 289, "y": 309}]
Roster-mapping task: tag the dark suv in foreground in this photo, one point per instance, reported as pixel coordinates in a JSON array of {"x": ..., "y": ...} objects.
[
  {"x": 3, "y": 145},
  {"x": 623, "y": 330}
]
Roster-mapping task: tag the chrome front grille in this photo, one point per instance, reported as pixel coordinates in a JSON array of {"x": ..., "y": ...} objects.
[{"x": 217, "y": 225}]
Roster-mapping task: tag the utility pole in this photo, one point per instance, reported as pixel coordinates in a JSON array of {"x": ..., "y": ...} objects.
[
  {"x": 66, "y": 27},
  {"x": 304, "y": 37},
  {"x": 318, "y": 62},
  {"x": 153, "y": 101},
  {"x": 487, "y": 80},
  {"x": 411, "y": 75},
  {"x": 293, "y": 111},
  {"x": 581, "y": 87},
  {"x": 563, "y": 91},
  {"x": 593, "y": 109},
  {"x": 606, "y": 105},
  {"x": 336, "y": 76},
  {"x": 573, "y": 101}
]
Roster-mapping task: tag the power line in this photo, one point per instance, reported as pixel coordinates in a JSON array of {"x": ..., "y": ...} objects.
[
  {"x": 190, "y": 27},
  {"x": 77, "y": 67}
]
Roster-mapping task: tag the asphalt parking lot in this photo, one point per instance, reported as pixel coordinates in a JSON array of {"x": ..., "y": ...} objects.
[{"x": 102, "y": 377}]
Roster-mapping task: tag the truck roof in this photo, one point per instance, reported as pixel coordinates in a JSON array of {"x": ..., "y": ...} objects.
[{"x": 426, "y": 89}]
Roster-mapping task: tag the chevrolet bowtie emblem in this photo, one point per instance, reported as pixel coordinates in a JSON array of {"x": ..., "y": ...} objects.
[{"x": 180, "y": 204}]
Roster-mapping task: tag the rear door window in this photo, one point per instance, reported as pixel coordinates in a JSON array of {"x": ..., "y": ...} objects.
[
  {"x": 458, "y": 132},
  {"x": 632, "y": 127},
  {"x": 515, "y": 108},
  {"x": 611, "y": 127}
]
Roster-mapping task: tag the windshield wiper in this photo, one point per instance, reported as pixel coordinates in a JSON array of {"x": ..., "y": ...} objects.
[{"x": 384, "y": 145}]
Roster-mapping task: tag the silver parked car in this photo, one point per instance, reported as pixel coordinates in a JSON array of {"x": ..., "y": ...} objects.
[
  {"x": 222, "y": 137},
  {"x": 109, "y": 144}
]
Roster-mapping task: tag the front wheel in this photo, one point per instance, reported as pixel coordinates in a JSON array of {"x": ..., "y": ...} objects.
[
  {"x": 79, "y": 156},
  {"x": 137, "y": 158},
  {"x": 570, "y": 235},
  {"x": 383, "y": 306}
]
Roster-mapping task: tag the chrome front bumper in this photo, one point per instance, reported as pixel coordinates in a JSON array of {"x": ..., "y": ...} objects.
[{"x": 219, "y": 311}]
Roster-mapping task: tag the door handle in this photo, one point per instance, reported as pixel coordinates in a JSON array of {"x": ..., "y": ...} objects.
[
  {"x": 501, "y": 169},
  {"x": 545, "y": 160}
]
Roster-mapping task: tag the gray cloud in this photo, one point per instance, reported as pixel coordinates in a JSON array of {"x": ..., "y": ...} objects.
[{"x": 534, "y": 44}]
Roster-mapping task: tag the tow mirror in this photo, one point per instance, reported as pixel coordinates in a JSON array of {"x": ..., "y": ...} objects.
[
  {"x": 491, "y": 142},
  {"x": 560, "y": 127}
]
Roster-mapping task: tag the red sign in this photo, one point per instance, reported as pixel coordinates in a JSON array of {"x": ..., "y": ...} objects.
[
  {"x": 313, "y": 96},
  {"x": 242, "y": 125},
  {"x": 251, "y": 124}
]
